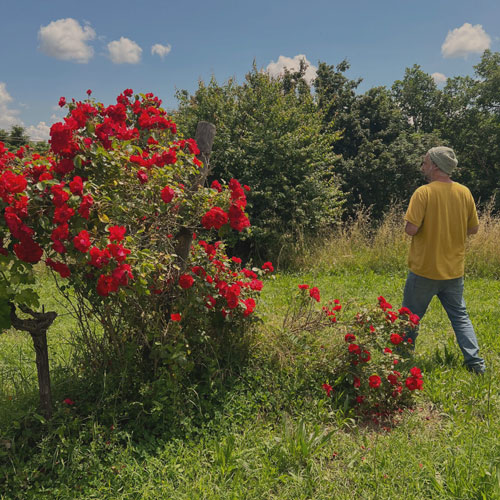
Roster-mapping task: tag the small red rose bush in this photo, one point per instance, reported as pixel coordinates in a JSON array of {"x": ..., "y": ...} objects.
[
  {"x": 370, "y": 364},
  {"x": 108, "y": 211}
]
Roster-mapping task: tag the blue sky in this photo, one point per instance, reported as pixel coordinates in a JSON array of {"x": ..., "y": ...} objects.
[{"x": 54, "y": 48}]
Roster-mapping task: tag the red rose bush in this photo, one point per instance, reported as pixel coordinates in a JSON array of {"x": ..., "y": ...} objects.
[
  {"x": 373, "y": 369},
  {"x": 367, "y": 361},
  {"x": 108, "y": 211}
]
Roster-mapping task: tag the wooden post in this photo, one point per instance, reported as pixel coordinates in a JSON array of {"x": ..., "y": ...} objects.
[
  {"x": 204, "y": 137},
  {"x": 37, "y": 327}
]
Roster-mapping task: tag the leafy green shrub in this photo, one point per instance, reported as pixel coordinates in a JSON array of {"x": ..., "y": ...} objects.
[{"x": 272, "y": 140}]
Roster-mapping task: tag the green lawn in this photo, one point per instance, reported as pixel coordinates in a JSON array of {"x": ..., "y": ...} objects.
[{"x": 269, "y": 433}]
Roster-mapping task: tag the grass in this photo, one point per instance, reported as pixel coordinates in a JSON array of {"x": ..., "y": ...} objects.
[{"x": 270, "y": 433}]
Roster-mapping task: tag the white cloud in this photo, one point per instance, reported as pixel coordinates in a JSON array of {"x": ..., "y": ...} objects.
[
  {"x": 124, "y": 51},
  {"x": 439, "y": 78},
  {"x": 8, "y": 116},
  {"x": 66, "y": 39},
  {"x": 40, "y": 132},
  {"x": 5, "y": 97},
  {"x": 466, "y": 40},
  {"x": 161, "y": 50},
  {"x": 293, "y": 64}
]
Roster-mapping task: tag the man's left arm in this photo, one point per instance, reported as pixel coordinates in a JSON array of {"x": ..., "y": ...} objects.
[
  {"x": 472, "y": 219},
  {"x": 411, "y": 229}
]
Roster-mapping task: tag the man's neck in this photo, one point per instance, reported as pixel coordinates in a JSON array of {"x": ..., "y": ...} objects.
[{"x": 440, "y": 177}]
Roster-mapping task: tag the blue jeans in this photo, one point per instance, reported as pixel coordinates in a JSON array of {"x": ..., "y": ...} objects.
[{"x": 417, "y": 296}]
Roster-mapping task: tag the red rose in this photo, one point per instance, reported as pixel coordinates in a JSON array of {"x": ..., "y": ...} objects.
[
  {"x": 237, "y": 218},
  {"x": 186, "y": 281},
  {"x": 250, "y": 306},
  {"x": 117, "y": 233},
  {"x": 118, "y": 252},
  {"x": 314, "y": 293},
  {"x": 99, "y": 258},
  {"x": 267, "y": 266},
  {"x": 216, "y": 185},
  {"x": 357, "y": 382},
  {"x": 175, "y": 317},
  {"x": 365, "y": 357},
  {"x": 303, "y": 287},
  {"x": 384, "y": 305},
  {"x": 121, "y": 275},
  {"x": 142, "y": 176},
  {"x": 104, "y": 285},
  {"x": 58, "y": 247},
  {"x": 28, "y": 251},
  {"x": 167, "y": 194},
  {"x": 62, "y": 102},
  {"x": 349, "y": 337},
  {"x": 354, "y": 349},
  {"x": 60, "y": 233},
  {"x": 76, "y": 185},
  {"x": 214, "y": 218},
  {"x": 59, "y": 196},
  {"x": 392, "y": 316},
  {"x": 414, "y": 383},
  {"x": 328, "y": 389},
  {"x": 256, "y": 285},
  {"x": 210, "y": 303},
  {"x": 59, "y": 267},
  {"x": 374, "y": 381},
  {"x": 248, "y": 273},
  {"x": 232, "y": 300},
  {"x": 84, "y": 208},
  {"x": 62, "y": 214},
  {"x": 396, "y": 338},
  {"x": 82, "y": 241}
]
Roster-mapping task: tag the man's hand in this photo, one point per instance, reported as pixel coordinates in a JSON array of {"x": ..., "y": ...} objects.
[
  {"x": 472, "y": 230},
  {"x": 411, "y": 229}
]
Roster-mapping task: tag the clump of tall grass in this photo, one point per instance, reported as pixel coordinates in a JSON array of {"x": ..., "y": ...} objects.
[
  {"x": 358, "y": 244},
  {"x": 362, "y": 244},
  {"x": 483, "y": 249}
]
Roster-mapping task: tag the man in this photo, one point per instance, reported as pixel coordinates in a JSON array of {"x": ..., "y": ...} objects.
[{"x": 439, "y": 217}]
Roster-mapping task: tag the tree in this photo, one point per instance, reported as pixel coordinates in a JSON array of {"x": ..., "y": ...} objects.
[
  {"x": 270, "y": 138},
  {"x": 419, "y": 99},
  {"x": 471, "y": 125}
]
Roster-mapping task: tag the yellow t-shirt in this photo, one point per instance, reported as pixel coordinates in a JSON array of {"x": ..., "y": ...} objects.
[{"x": 443, "y": 211}]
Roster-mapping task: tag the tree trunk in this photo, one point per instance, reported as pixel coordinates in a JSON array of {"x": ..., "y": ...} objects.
[
  {"x": 42, "y": 366},
  {"x": 37, "y": 327}
]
